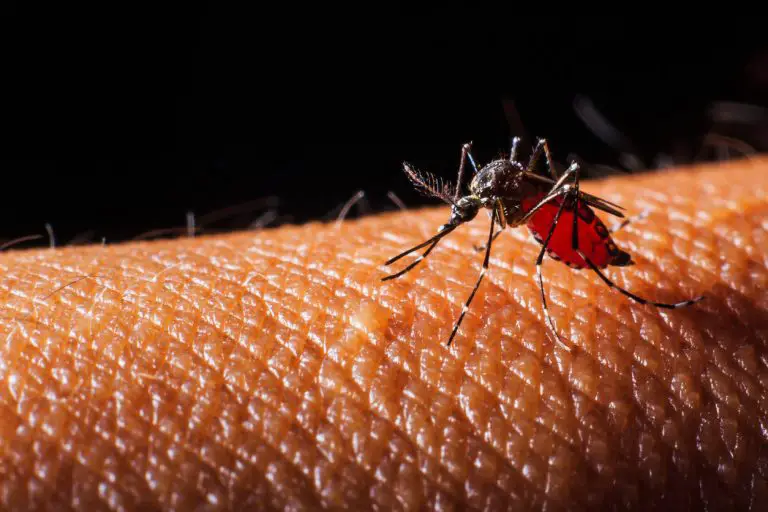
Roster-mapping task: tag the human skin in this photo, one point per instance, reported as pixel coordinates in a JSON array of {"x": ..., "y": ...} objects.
[{"x": 274, "y": 369}]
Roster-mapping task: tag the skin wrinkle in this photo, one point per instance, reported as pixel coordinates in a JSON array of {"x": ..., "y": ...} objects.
[
  {"x": 552, "y": 432},
  {"x": 298, "y": 296},
  {"x": 277, "y": 376},
  {"x": 403, "y": 432},
  {"x": 116, "y": 379},
  {"x": 405, "y": 371},
  {"x": 468, "y": 374},
  {"x": 19, "y": 416},
  {"x": 500, "y": 399},
  {"x": 206, "y": 361},
  {"x": 203, "y": 359},
  {"x": 277, "y": 360}
]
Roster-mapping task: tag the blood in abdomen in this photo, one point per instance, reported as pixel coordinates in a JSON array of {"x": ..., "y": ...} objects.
[{"x": 594, "y": 240}]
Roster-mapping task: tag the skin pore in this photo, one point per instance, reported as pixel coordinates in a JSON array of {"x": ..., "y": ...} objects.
[{"x": 274, "y": 369}]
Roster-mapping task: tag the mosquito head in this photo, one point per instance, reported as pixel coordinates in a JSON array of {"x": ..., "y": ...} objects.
[{"x": 465, "y": 209}]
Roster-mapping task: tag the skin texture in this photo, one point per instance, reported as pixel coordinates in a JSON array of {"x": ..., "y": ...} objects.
[{"x": 275, "y": 370}]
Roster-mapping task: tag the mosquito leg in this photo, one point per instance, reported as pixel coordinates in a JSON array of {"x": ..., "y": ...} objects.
[
  {"x": 642, "y": 215},
  {"x": 498, "y": 212},
  {"x": 479, "y": 280},
  {"x": 535, "y": 155},
  {"x": 542, "y": 146},
  {"x": 576, "y": 207},
  {"x": 513, "y": 150},
  {"x": 572, "y": 191},
  {"x": 466, "y": 153},
  {"x": 539, "y": 262},
  {"x": 635, "y": 297},
  {"x": 558, "y": 189},
  {"x": 481, "y": 248},
  {"x": 611, "y": 284}
]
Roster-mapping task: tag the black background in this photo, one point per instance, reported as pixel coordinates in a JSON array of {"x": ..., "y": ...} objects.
[{"x": 121, "y": 121}]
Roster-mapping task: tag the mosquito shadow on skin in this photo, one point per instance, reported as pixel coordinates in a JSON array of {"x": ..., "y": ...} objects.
[
  {"x": 731, "y": 335},
  {"x": 732, "y": 340},
  {"x": 731, "y": 318},
  {"x": 725, "y": 321}
]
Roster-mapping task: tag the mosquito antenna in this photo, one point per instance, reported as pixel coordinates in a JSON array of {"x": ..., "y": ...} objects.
[{"x": 430, "y": 185}]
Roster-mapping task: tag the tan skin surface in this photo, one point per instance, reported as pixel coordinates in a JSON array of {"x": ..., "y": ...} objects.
[{"x": 275, "y": 369}]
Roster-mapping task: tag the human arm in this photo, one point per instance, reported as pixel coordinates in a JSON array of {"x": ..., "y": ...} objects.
[{"x": 274, "y": 368}]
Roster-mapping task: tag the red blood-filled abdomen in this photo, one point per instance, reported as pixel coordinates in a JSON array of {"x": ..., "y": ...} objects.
[{"x": 594, "y": 240}]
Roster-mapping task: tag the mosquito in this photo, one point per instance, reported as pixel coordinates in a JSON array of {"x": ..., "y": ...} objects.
[{"x": 517, "y": 196}]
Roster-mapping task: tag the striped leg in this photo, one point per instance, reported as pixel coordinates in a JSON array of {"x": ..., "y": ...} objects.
[
  {"x": 466, "y": 153},
  {"x": 542, "y": 146},
  {"x": 481, "y": 248},
  {"x": 498, "y": 213},
  {"x": 479, "y": 280},
  {"x": 629, "y": 220},
  {"x": 567, "y": 194},
  {"x": 513, "y": 149},
  {"x": 539, "y": 261},
  {"x": 571, "y": 194},
  {"x": 635, "y": 297}
]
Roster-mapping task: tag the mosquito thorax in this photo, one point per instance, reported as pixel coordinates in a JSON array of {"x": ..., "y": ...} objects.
[{"x": 499, "y": 178}]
